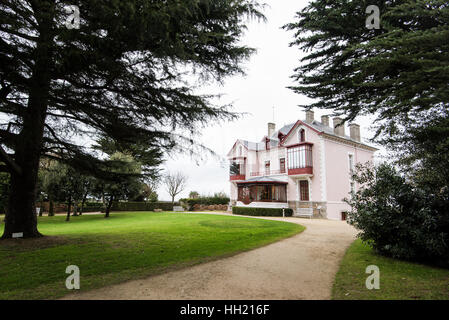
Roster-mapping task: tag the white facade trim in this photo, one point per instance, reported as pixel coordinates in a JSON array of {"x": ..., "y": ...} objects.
[{"x": 323, "y": 181}]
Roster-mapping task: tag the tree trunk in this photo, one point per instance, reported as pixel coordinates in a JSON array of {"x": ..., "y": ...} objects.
[
  {"x": 108, "y": 207},
  {"x": 41, "y": 209},
  {"x": 83, "y": 203},
  {"x": 51, "y": 208},
  {"x": 69, "y": 208},
  {"x": 75, "y": 208},
  {"x": 21, "y": 216},
  {"x": 173, "y": 200}
]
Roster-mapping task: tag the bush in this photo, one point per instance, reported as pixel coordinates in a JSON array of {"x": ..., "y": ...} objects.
[
  {"x": 267, "y": 212},
  {"x": 398, "y": 219},
  {"x": 93, "y": 206},
  {"x": 191, "y": 202},
  {"x": 142, "y": 206}
]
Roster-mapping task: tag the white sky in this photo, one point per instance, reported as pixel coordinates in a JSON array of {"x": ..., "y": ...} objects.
[{"x": 264, "y": 87}]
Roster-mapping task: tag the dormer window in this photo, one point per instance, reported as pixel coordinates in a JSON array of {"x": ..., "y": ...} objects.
[
  {"x": 267, "y": 144},
  {"x": 302, "y": 135}
]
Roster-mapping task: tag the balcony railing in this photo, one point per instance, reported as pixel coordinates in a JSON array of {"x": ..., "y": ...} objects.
[
  {"x": 267, "y": 173},
  {"x": 236, "y": 177},
  {"x": 237, "y": 170}
]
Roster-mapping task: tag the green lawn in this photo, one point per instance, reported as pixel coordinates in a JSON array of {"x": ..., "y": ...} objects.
[
  {"x": 398, "y": 279},
  {"x": 126, "y": 246}
]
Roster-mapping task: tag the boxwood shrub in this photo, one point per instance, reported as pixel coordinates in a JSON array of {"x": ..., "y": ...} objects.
[
  {"x": 142, "y": 206},
  {"x": 268, "y": 212},
  {"x": 191, "y": 202}
]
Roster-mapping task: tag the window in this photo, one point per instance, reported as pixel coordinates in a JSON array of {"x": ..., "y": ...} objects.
[
  {"x": 300, "y": 157},
  {"x": 282, "y": 165},
  {"x": 304, "y": 190},
  {"x": 240, "y": 151},
  {"x": 302, "y": 135},
  {"x": 267, "y": 167},
  {"x": 351, "y": 162},
  {"x": 262, "y": 193}
]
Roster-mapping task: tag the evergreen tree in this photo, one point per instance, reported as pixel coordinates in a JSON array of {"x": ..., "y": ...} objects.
[
  {"x": 126, "y": 73},
  {"x": 398, "y": 72}
]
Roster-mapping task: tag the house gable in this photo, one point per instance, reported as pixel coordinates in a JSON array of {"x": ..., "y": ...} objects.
[{"x": 292, "y": 136}]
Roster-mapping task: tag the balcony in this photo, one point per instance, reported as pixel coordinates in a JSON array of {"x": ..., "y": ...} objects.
[
  {"x": 237, "y": 177},
  {"x": 267, "y": 173},
  {"x": 300, "y": 159},
  {"x": 237, "y": 169}
]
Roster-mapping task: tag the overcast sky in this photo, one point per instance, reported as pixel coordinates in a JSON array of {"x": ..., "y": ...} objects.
[{"x": 264, "y": 87}]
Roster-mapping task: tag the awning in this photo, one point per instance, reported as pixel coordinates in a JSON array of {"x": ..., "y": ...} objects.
[{"x": 262, "y": 180}]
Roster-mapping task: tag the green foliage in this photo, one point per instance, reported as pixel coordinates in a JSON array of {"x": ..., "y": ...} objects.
[
  {"x": 93, "y": 207},
  {"x": 398, "y": 218},
  {"x": 215, "y": 200},
  {"x": 398, "y": 72},
  {"x": 142, "y": 206},
  {"x": 268, "y": 212},
  {"x": 126, "y": 74},
  {"x": 194, "y": 195}
]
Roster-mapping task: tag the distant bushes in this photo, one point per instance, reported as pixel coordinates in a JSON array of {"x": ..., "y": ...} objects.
[
  {"x": 190, "y": 203},
  {"x": 93, "y": 207},
  {"x": 267, "y": 212},
  {"x": 142, "y": 206}
]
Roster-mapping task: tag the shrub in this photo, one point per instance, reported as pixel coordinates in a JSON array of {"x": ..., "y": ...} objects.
[
  {"x": 191, "y": 202},
  {"x": 398, "y": 219},
  {"x": 142, "y": 206},
  {"x": 93, "y": 206},
  {"x": 268, "y": 212}
]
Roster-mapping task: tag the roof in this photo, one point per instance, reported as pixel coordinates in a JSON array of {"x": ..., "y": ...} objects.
[
  {"x": 263, "y": 179},
  {"x": 286, "y": 129}
]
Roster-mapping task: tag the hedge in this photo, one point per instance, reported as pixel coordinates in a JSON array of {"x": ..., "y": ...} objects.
[
  {"x": 267, "y": 212},
  {"x": 208, "y": 201},
  {"x": 93, "y": 207},
  {"x": 142, "y": 206}
]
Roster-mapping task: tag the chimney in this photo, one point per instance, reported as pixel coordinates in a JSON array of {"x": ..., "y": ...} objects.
[
  {"x": 339, "y": 128},
  {"x": 310, "y": 116},
  {"x": 354, "y": 130},
  {"x": 325, "y": 120},
  {"x": 271, "y": 129}
]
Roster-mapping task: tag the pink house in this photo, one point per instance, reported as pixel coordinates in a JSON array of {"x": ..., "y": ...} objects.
[{"x": 305, "y": 166}]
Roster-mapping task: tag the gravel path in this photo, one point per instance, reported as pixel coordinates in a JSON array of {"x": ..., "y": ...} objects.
[{"x": 300, "y": 267}]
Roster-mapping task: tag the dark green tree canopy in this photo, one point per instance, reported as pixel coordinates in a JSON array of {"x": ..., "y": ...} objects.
[
  {"x": 398, "y": 72},
  {"x": 122, "y": 73}
]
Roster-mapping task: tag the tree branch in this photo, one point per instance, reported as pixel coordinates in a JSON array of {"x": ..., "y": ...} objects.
[{"x": 10, "y": 162}]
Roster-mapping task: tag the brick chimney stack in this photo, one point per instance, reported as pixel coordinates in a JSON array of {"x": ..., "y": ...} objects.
[
  {"x": 325, "y": 120},
  {"x": 310, "y": 116},
  {"x": 339, "y": 128},
  {"x": 354, "y": 130},
  {"x": 271, "y": 129}
]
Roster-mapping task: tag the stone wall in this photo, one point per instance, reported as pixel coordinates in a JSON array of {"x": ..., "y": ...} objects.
[
  {"x": 213, "y": 207},
  {"x": 317, "y": 213}
]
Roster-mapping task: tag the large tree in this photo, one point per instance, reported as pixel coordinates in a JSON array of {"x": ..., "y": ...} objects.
[
  {"x": 127, "y": 73},
  {"x": 399, "y": 72}
]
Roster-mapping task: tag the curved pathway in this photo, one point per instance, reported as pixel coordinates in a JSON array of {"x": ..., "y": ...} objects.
[{"x": 300, "y": 267}]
